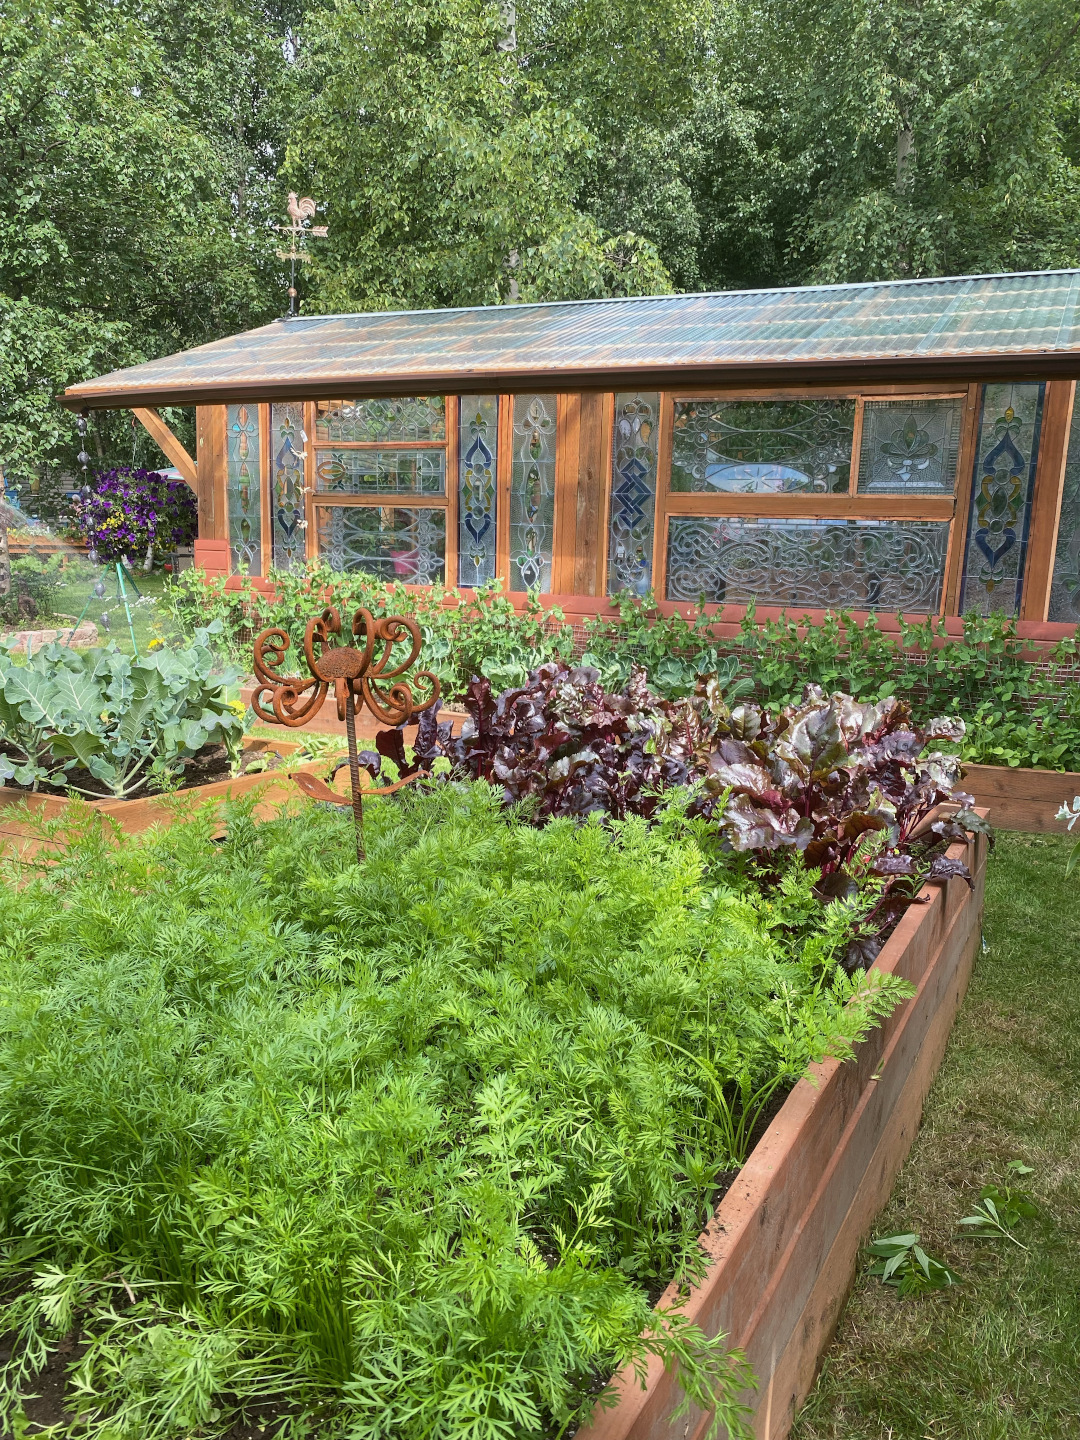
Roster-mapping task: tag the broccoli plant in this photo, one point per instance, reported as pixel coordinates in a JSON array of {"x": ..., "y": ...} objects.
[{"x": 130, "y": 724}]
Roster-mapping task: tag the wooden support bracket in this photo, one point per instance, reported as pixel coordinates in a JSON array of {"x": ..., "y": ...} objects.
[{"x": 167, "y": 442}]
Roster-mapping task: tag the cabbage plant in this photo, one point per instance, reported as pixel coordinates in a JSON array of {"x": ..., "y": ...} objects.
[{"x": 130, "y": 722}]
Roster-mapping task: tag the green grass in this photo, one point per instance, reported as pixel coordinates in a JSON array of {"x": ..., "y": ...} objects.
[
  {"x": 996, "y": 1358},
  {"x": 74, "y": 594}
]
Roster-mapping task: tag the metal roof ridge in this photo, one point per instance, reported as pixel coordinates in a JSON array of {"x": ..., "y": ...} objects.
[{"x": 673, "y": 295}]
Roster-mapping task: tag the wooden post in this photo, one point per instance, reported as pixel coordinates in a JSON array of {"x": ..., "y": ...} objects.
[
  {"x": 211, "y": 476},
  {"x": 1046, "y": 499}
]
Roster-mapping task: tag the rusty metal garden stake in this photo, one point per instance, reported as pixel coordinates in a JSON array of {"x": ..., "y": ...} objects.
[{"x": 361, "y": 674}]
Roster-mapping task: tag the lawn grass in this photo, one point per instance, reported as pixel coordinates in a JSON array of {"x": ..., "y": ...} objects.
[
  {"x": 75, "y": 597},
  {"x": 996, "y": 1358}
]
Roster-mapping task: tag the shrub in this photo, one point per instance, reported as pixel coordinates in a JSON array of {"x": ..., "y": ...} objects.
[
  {"x": 129, "y": 724},
  {"x": 1016, "y": 714},
  {"x": 463, "y": 635},
  {"x": 399, "y": 1148},
  {"x": 33, "y": 590},
  {"x": 131, "y": 513}
]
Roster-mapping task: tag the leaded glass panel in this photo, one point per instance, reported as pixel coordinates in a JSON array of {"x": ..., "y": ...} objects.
[
  {"x": 287, "y": 446},
  {"x": 477, "y": 499},
  {"x": 415, "y": 417},
  {"x": 909, "y": 447},
  {"x": 633, "y": 493},
  {"x": 381, "y": 472},
  {"x": 1065, "y": 587},
  {"x": 856, "y": 564},
  {"x": 394, "y": 544},
  {"x": 243, "y": 477},
  {"x": 532, "y": 493},
  {"x": 762, "y": 447},
  {"x": 1006, "y": 454}
]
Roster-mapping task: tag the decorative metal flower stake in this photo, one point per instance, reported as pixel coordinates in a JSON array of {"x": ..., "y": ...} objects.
[{"x": 361, "y": 674}]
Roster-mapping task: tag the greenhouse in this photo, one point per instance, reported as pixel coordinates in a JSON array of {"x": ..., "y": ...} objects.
[{"x": 900, "y": 446}]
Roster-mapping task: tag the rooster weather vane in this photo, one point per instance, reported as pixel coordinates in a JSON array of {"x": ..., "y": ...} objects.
[
  {"x": 361, "y": 673},
  {"x": 298, "y": 230}
]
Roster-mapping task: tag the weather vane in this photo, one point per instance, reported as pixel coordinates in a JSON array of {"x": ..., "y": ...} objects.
[
  {"x": 362, "y": 675},
  {"x": 299, "y": 230}
]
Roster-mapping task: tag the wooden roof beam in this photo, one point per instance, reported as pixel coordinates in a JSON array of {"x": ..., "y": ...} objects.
[{"x": 168, "y": 444}]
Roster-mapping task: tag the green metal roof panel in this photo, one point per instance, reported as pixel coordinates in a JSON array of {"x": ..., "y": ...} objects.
[{"x": 893, "y": 323}]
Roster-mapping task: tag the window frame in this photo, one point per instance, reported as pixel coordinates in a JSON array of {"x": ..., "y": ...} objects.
[
  {"x": 447, "y": 502},
  {"x": 850, "y": 506}
]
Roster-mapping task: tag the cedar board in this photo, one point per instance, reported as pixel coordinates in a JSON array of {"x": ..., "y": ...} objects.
[
  {"x": 134, "y": 816},
  {"x": 1017, "y": 799},
  {"x": 784, "y": 1239}
]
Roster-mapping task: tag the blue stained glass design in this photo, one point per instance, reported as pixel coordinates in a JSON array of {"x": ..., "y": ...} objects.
[
  {"x": 244, "y": 483},
  {"x": 633, "y": 493},
  {"x": 287, "y": 485},
  {"x": 477, "y": 498},
  {"x": 1000, "y": 516}
]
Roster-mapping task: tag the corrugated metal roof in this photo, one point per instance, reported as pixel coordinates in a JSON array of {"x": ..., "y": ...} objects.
[{"x": 992, "y": 324}]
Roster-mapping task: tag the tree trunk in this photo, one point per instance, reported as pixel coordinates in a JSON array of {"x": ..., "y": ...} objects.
[
  {"x": 5, "y": 561},
  {"x": 905, "y": 149},
  {"x": 508, "y": 15}
]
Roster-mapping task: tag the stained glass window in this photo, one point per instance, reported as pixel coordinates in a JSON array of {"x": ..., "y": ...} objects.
[
  {"x": 532, "y": 493},
  {"x": 394, "y": 544},
  {"x": 243, "y": 483},
  {"x": 381, "y": 472},
  {"x": 909, "y": 447},
  {"x": 416, "y": 418},
  {"x": 287, "y": 445},
  {"x": 478, "y": 449},
  {"x": 997, "y": 534},
  {"x": 859, "y": 564},
  {"x": 1065, "y": 588},
  {"x": 762, "y": 447},
  {"x": 633, "y": 493}
]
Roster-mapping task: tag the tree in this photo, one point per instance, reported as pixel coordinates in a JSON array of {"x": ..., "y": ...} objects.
[
  {"x": 450, "y": 164},
  {"x": 919, "y": 137},
  {"x": 136, "y": 169}
]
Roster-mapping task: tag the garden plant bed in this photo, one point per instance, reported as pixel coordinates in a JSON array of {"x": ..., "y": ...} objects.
[
  {"x": 139, "y": 813},
  {"x": 784, "y": 1239},
  {"x": 1021, "y": 799}
]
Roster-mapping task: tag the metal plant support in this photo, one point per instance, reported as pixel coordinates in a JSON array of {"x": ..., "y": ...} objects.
[{"x": 361, "y": 674}]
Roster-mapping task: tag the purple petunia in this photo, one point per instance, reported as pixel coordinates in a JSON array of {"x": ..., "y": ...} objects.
[{"x": 130, "y": 509}]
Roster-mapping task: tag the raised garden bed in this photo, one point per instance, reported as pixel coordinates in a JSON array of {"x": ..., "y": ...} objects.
[
  {"x": 138, "y": 814},
  {"x": 784, "y": 1239},
  {"x": 1019, "y": 799}
]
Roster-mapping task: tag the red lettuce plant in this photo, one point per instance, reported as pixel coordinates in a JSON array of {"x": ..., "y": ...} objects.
[{"x": 560, "y": 739}]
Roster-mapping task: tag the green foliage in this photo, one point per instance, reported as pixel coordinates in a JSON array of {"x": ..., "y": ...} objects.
[
  {"x": 137, "y": 169},
  {"x": 450, "y": 151},
  {"x": 478, "y": 634},
  {"x": 474, "y": 151},
  {"x": 1014, "y": 715},
  {"x": 398, "y": 1147},
  {"x": 33, "y": 590},
  {"x": 128, "y": 723},
  {"x": 1000, "y": 1209},
  {"x": 904, "y": 1264}
]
